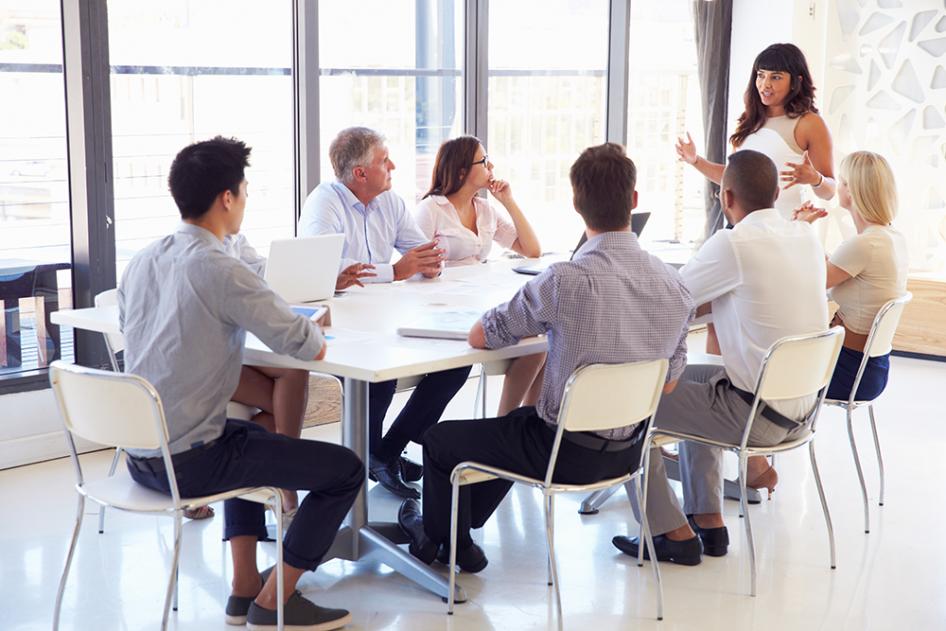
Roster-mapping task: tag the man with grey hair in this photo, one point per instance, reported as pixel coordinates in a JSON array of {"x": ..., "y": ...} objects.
[{"x": 375, "y": 222}]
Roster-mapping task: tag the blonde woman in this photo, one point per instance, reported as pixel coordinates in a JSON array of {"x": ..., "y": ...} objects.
[
  {"x": 865, "y": 272},
  {"x": 465, "y": 226}
]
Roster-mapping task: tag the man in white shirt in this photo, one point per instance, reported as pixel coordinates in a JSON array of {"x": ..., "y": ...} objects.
[
  {"x": 762, "y": 280},
  {"x": 361, "y": 205}
]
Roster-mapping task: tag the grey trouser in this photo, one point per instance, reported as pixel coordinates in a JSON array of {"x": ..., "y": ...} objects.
[{"x": 703, "y": 405}]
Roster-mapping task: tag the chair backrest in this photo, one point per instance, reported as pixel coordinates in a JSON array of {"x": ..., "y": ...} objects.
[
  {"x": 800, "y": 365},
  {"x": 880, "y": 338},
  {"x": 109, "y": 408},
  {"x": 606, "y": 396},
  {"x": 109, "y": 298}
]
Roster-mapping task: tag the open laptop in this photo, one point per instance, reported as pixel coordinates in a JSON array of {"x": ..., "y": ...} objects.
[
  {"x": 638, "y": 221},
  {"x": 306, "y": 268}
]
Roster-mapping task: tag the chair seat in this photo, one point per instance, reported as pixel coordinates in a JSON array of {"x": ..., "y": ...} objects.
[
  {"x": 122, "y": 492},
  {"x": 242, "y": 412},
  {"x": 406, "y": 383},
  {"x": 471, "y": 476}
]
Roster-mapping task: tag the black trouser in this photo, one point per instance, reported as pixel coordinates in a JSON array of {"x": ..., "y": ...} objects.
[
  {"x": 520, "y": 442},
  {"x": 246, "y": 455},
  {"x": 423, "y": 409}
]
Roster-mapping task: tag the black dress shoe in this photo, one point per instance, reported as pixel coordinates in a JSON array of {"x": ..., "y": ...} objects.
[
  {"x": 389, "y": 476},
  {"x": 687, "y": 552},
  {"x": 715, "y": 540},
  {"x": 471, "y": 559},
  {"x": 410, "y": 470},
  {"x": 412, "y": 523}
]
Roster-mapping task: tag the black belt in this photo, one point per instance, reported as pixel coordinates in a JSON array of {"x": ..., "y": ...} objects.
[
  {"x": 156, "y": 464},
  {"x": 598, "y": 443},
  {"x": 767, "y": 412}
]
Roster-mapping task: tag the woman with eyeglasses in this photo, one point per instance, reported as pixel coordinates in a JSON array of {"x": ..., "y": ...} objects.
[
  {"x": 465, "y": 226},
  {"x": 781, "y": 121}
]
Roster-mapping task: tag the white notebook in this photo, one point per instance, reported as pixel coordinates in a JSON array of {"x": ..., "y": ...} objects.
[{"x": 444, "y": 325}]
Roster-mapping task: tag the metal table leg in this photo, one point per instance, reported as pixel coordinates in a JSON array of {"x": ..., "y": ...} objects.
[
  {"x": 378, "y": 541},
  {"x": 591, "y": 504}
]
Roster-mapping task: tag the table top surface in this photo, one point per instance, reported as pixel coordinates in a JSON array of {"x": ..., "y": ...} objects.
[{"x": 363, "y": 342}]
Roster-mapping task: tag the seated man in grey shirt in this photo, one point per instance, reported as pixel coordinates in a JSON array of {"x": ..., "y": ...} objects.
[
  {"x": 185, "y": 305},
  {"x": 612, "y": 303}
]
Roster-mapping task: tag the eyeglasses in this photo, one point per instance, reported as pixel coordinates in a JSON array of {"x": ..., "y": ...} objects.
[{"x": 484, "y": 160}]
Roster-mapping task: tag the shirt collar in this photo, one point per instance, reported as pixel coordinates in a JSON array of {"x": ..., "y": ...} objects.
[
  {"x": 202, "y": 234},
  {"x": 351, "y": 200},
  {"x": 765, "y": 215},
  {"x": 608, "y": 240}
]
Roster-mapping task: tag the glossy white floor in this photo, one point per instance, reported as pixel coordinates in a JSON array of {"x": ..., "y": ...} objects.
[{"x": 895, "y": 577}]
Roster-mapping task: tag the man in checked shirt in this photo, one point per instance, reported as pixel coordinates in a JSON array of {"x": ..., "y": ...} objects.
[{"x": 612, "y": 303}]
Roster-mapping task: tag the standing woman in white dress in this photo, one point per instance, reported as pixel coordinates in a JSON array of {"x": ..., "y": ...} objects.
[
  {"x": 781, "y": 121},
  {"x": 465, "y": 226}
]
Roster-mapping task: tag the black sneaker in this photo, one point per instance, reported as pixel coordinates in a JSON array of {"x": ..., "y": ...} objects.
[
  {"x": 687, "y": 552},
  {"x": 237, "y": 606},
  {"x": 298, "y": 614},
  {"x": 410, "y": 470},
  {"x": 471, "y": 559},
  {"x": 715, "y": 540},
  {"x": 412, "y": 523}
]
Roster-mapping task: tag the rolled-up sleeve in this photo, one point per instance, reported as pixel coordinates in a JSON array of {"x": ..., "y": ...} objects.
[
  {"x": 530, "y": 312},
  {"x": 250, "y": 304}
]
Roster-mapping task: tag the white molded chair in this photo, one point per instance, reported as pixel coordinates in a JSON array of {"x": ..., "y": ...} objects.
[
  {"x": 633, "y": 392},
  {"x": 879, "y": 342},
  {"x": 793, "y": 367},
  {"x": 125, "y": 411}
]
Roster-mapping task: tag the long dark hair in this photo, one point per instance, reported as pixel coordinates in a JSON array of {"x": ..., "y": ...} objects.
[
  {"x": 789, "y": 59},
  {"x": 453, "y": 163}
]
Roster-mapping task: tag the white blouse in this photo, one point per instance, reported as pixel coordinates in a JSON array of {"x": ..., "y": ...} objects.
[{"x": 438, "y": 219}]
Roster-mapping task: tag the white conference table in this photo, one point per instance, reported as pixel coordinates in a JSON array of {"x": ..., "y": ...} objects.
[{"x": 363, "y": 348}]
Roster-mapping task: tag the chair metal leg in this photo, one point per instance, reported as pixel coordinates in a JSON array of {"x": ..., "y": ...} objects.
[
  {"x": 824, "y": 503},
  {"x": 175, "y": 559},
  {"x": 550, "y": 541},
  {"x": 642, "y": 505},
  {"x": 645, "y": 529},
  {"x": 743, "y": 465},
  {"x": 80, "y": 507},
  {"x": 880, "y": 458},
  {"x": 454, "y": 510},
  {"x": 111, "y": 472},
  {"x": 860, "y": 471},
  {"x": 280, "y": 581}
]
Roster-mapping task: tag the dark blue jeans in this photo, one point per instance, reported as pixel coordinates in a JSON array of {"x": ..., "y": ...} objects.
[
  {"x": 872, "y": 383},
  {"x": 246, "y": 455},
  {"x": 422, "y": 411}
]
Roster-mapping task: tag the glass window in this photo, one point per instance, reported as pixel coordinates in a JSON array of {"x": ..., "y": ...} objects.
[
  {"x": 548, "y": 64},
  {"x": 188, "y": 70},
  {"x": 664, "y": 103},
  {"x": 35, "y": 238},
  {"x": 394, "y": 66}
]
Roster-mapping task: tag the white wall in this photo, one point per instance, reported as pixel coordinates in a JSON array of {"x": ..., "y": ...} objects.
[
  {"x": 760, "y": 23},
  {"x": 30, "y": 429}
]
